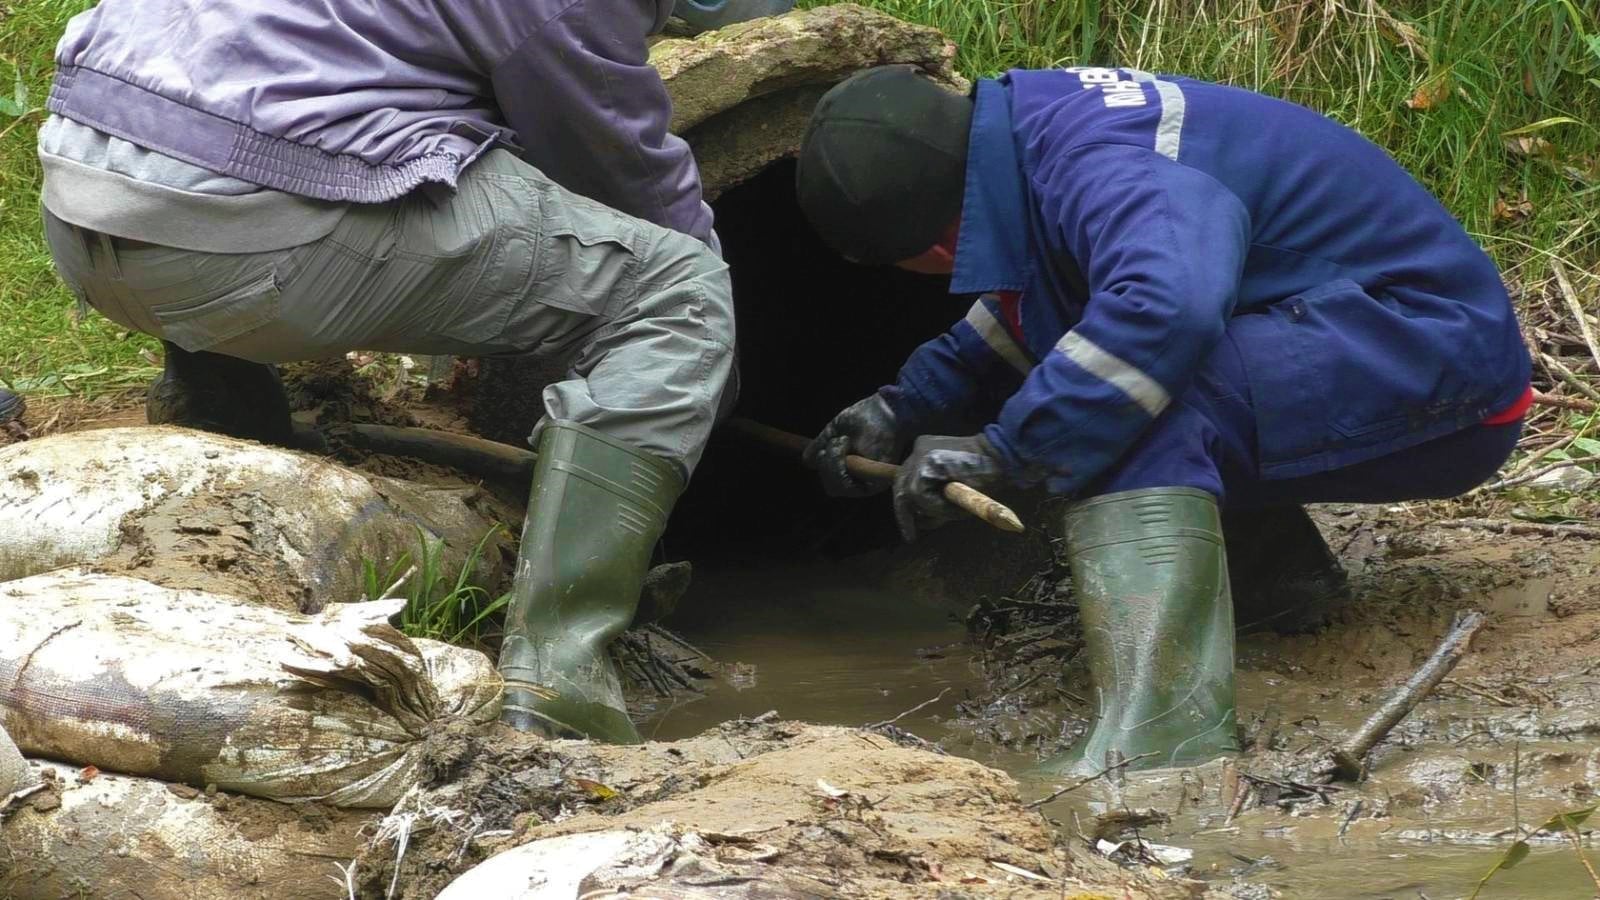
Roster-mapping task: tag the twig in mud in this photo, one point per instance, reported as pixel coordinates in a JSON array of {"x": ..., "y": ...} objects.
[
  {"x": 1570, "y": 377},
  {"x": 1571, "y": 296},
  {"x": 1061, "y": 792},
  {"x": 1478, "y": 692},
  {"x": 1348, "y": 757},
  {"x": 348, "y": 882},
  {"x": 1516, "y": 789},
  {"x": 1523, "y": 478},
  {"x": 1239, "y": 800},
  {"x": 1573, "y": 403},
  {"x": 1355, "y": 810},
  {"x": 1502, "y": 526},
  {"x": 912, "y": 711},
  {"x": 388, "y": 593}
]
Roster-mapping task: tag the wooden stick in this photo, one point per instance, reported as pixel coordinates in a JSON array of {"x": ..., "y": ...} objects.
[
  {"x": 1571, "y": 296},
  {"x": 491, "y": 460},
  {"x": 1062, "y": 792},
  {"x": 1573, "y": 403},
  {"x": 1570, "y": 377},
  {"x": 1503, "y": 526},
  {"x": 1348, "y": 756},
  {"x": 966, "y": 498}
]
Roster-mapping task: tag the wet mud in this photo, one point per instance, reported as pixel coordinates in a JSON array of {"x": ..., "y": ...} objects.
[{"x": 1511, "y": 737}]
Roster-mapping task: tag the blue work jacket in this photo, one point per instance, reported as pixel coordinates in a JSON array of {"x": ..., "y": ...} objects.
[{"x": 1117, "y": 224}]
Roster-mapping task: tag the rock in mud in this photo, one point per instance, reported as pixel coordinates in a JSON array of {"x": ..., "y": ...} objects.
[
  {"x": 199, "y": 689},
  {"x": 193, "y": 510},
  {"x": 116, "y": 836},
  {"x": 14, "y": 772},
  {"x": 746, "y": 810}
]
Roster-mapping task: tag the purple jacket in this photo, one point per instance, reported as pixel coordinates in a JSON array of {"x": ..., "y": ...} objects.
[{"x": 363, "y": 101}]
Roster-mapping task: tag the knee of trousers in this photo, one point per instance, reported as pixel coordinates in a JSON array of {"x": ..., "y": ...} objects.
[
  {"x": 680, "y": 270},
  {"x": 1180, "y": 449}
]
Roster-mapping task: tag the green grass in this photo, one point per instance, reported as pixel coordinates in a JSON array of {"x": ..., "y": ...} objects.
[
  {"x": 1515, "y": 71},
  {"x": 440, "y": 605},
  {"x": 44, "y": 348},
  {"x": 1510, "y": 69}
]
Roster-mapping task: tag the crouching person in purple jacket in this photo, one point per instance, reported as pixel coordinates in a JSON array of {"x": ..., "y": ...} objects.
[
  {"x": 259, "y": 182},
  {"x": 1189, "y": 298}
]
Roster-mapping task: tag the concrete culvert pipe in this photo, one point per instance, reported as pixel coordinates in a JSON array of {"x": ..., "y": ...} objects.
[{"x": 815, "y": 331}]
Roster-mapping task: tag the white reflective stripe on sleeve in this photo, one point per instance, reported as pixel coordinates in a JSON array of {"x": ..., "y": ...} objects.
[
  {"x": 1112, "y": 369},
  {"x": 1169, "y": 131},
  {"x": 994, "y": 333}
]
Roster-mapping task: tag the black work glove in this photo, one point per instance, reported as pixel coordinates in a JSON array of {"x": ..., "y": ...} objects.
[
  {"x": 934, "y": 462},
  {"x": 865, "y": 428}
]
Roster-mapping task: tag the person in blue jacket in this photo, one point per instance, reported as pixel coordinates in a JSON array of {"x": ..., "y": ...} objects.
[{"x": 1189, "y": 297}]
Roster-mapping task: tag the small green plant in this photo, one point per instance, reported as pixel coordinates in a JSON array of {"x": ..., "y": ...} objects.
[
  {"x": 439, "y": 606},
  {"x": 1565, "y": 824}
]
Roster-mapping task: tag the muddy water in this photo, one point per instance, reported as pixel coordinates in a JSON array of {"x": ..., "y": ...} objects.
[{"x": 832, "y": 644}]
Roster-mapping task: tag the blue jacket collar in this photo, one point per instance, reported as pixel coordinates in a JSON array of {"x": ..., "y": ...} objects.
[{"x": 992, "y": 248}]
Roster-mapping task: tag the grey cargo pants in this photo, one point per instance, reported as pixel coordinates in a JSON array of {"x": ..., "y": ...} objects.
[{"x": 512, "y": 263}]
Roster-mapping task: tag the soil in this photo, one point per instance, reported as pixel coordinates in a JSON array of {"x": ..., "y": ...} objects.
[
  {"x": 795, "y": 810},
  {"x": 1514, "y": 727}
]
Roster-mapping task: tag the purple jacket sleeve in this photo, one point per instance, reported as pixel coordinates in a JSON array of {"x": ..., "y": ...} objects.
[{"x": 591, "y": 112}]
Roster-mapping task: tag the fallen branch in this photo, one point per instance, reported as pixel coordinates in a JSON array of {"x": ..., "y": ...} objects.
[
  {"x": 1572, "y": 403},
  {"x": 1570, "y": 377},
  {"x": 1502, "y": 526},
  {"x": 1061, "y": 792},
  {"x": 1571, "y": 296},
  {"x": 490, "y": 460},
  {"x": 1523, "y": 478},
  {"x": 1348, "y": 757}
]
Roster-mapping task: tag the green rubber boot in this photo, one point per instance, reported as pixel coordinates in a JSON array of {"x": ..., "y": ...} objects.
[
  {"x": 1151, "y": 578},
  {"x": 597, "y": 509}
]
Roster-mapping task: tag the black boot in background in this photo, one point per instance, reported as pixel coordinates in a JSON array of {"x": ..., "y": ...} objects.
[
  {"x": 12, "y": 406},
  {"x": 1284, "y": 576},
  {"x": 220, "y": 394}
]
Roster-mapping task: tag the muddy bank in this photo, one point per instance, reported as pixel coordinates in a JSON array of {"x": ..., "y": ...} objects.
[
  {"x": 1514, "y": 730},
  {"x": 787, "y": 810}
]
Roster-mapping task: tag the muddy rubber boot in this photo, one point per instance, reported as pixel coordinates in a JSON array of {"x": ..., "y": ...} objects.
[
  {"x": 220, "y": 394},
  {"x": 597, "y": 509},
  {"x": 1151, "y": 579},
  {"x": 1283, "y": 575}
]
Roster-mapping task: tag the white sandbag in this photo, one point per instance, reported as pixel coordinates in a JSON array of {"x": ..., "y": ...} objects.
[
  {"x": 568, "y": 867},
  {"x": 115, "y": 836},
  {"x": 14, "y": 772},
  {"x": 199, "y": 689},
  {"x": 190, "y": 509}
]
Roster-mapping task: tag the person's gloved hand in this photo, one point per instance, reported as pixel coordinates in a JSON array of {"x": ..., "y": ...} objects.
[
  {"x": 934, "y": 462},
  {"x": 864, "y": 428}
]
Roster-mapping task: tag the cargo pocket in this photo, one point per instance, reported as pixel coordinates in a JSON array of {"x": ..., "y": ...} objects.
[
  {"x": 203, "y": 323},
  {"x": 588, "y": 257}
]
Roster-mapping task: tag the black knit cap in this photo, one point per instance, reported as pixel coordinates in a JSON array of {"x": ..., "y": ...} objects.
[{"x": 883, "y": 164}]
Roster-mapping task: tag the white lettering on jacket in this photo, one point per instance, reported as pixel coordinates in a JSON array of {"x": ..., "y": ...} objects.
[{"x": 1116, "y": 92}]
